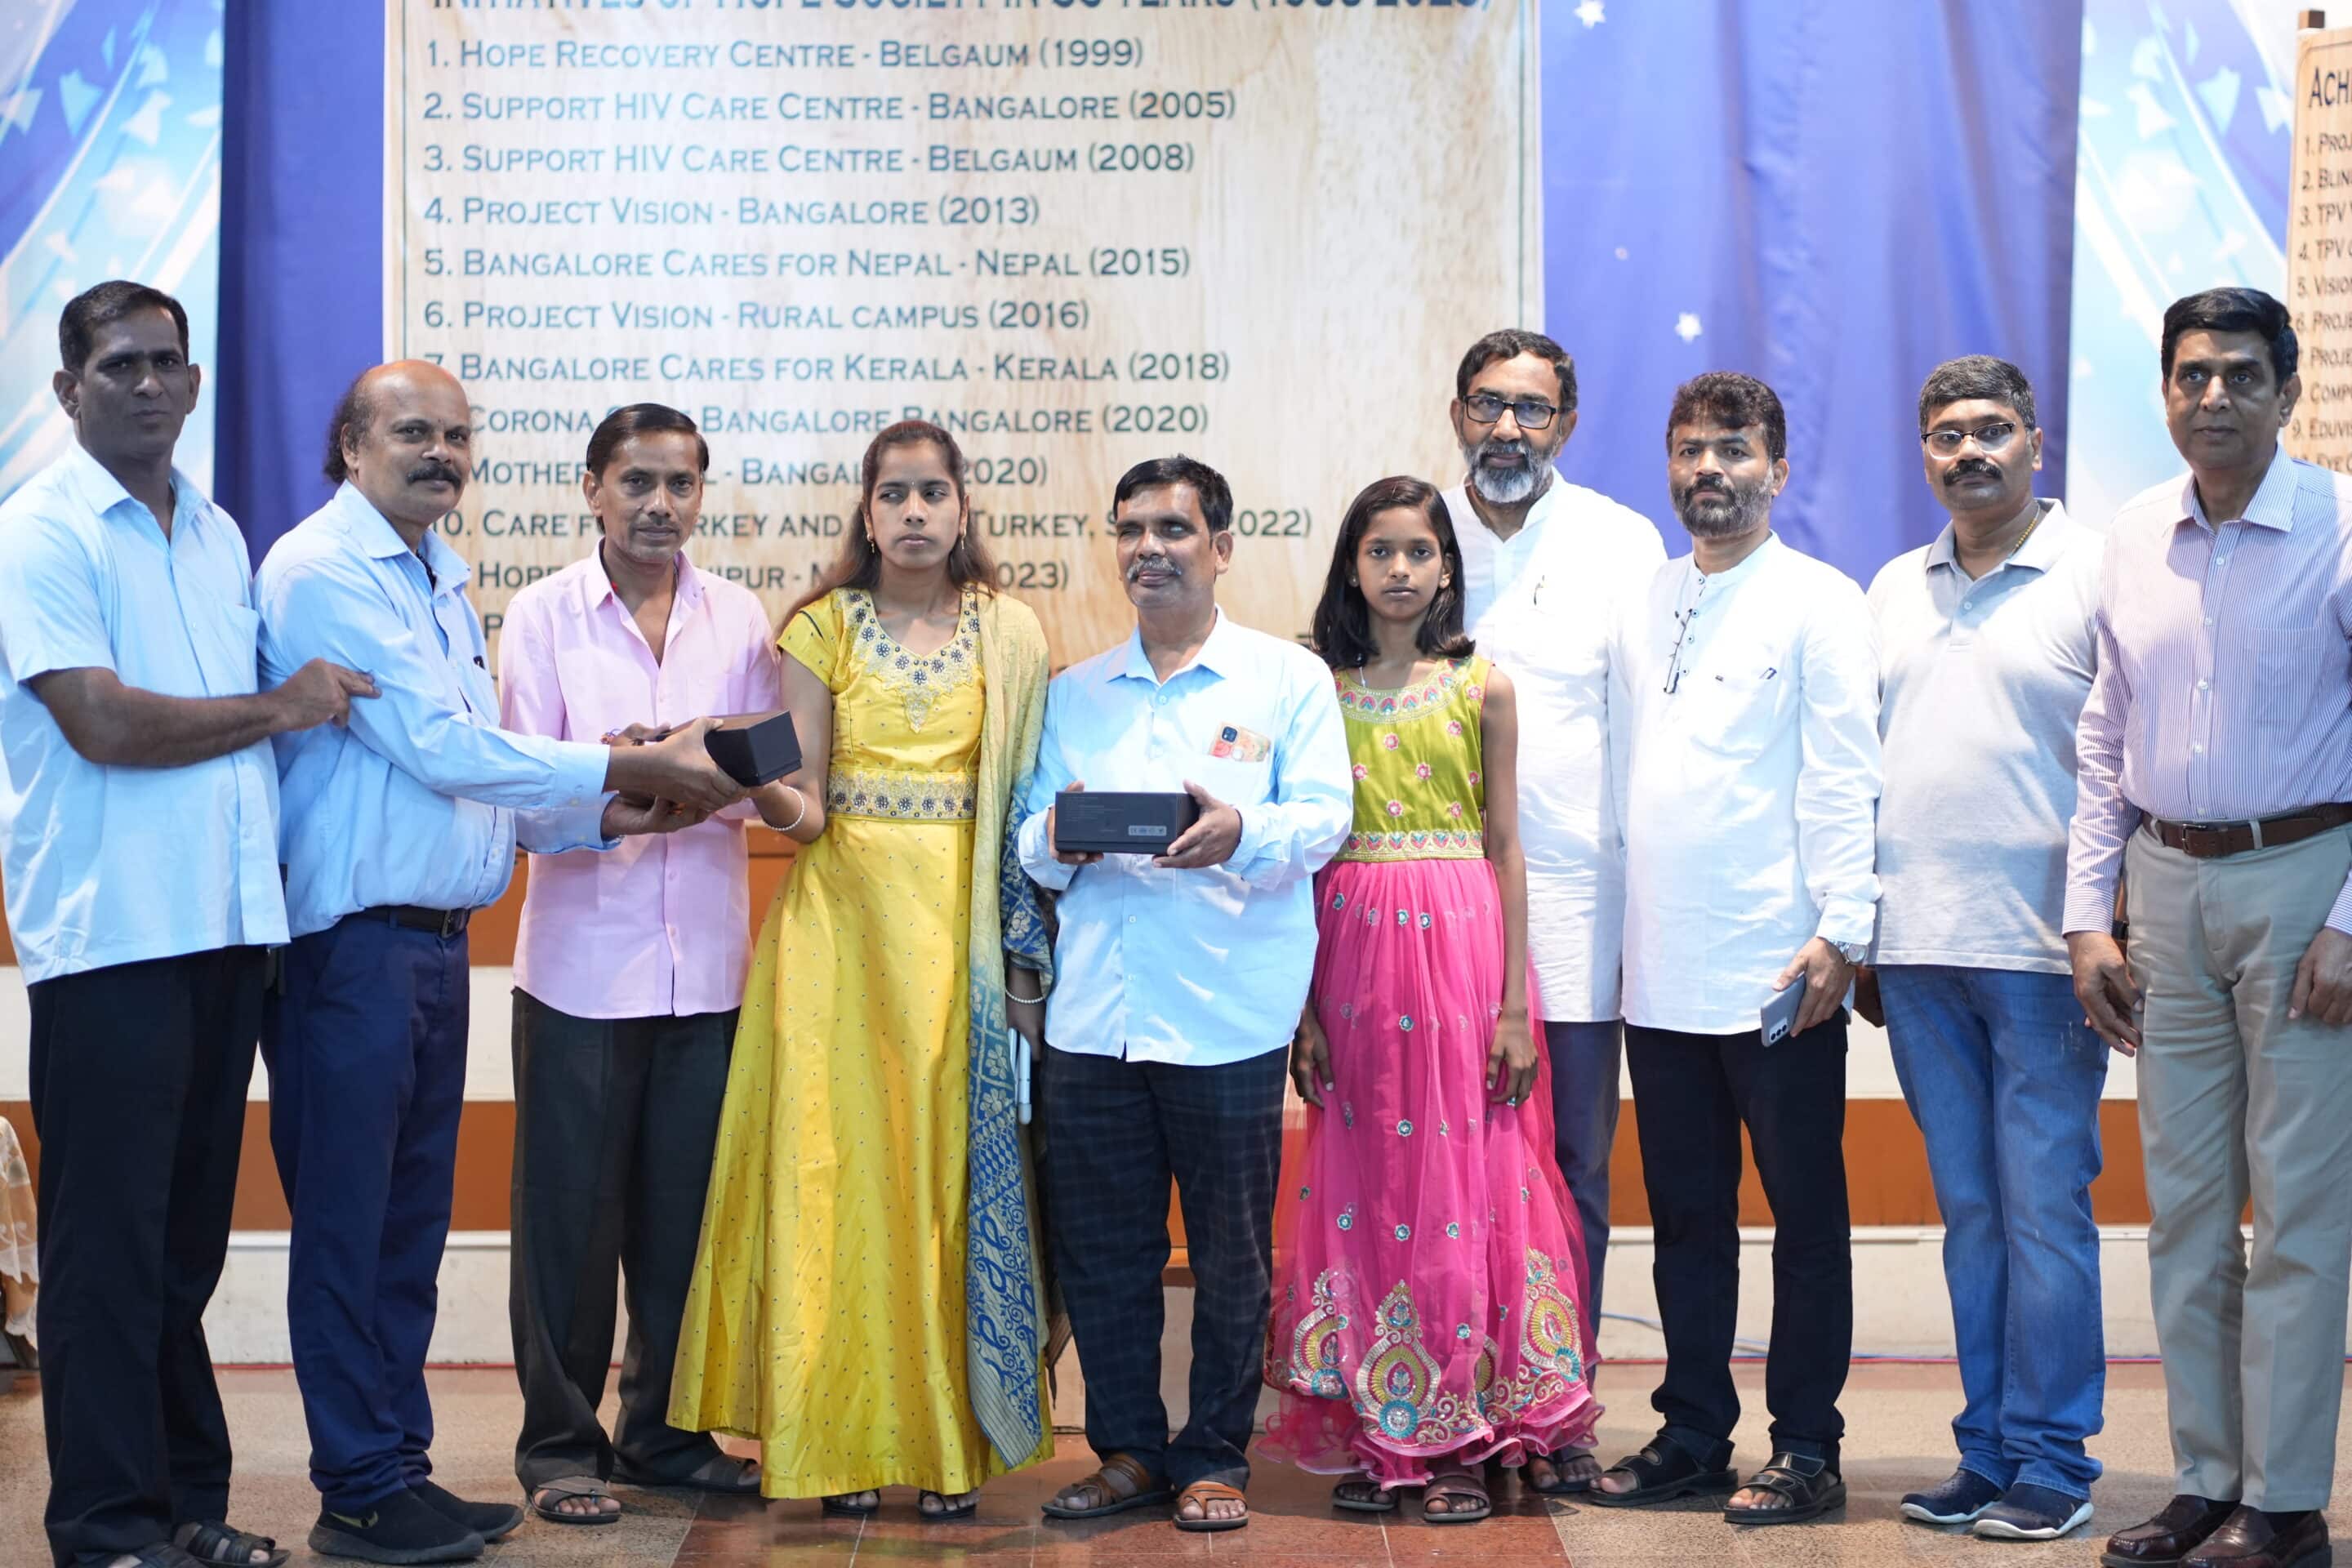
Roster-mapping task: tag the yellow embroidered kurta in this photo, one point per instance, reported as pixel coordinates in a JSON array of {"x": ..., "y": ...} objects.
[{"x": 827, "y": 1313}]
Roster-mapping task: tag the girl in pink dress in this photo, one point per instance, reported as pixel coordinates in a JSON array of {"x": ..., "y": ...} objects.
[{"x": 1427, "y": 1307}]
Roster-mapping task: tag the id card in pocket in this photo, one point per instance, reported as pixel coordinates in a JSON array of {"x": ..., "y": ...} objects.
[{"x": 1780, "y": 1015}]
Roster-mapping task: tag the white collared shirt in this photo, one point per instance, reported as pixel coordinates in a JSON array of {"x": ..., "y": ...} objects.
[
  {"x": 1749, "y": 794},
  {"x": 103, "y": 863},
  {"x": 1540, "y": 604},
  {"x": 1195, "y": 968},
  {"x": 1983, "y": 681}
]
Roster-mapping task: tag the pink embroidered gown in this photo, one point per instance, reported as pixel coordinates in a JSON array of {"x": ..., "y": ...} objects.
[{"x": 1428, "y": 1268}]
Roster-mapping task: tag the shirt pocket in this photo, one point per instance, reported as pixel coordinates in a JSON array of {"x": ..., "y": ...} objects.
[
  {"x": 1735, "y": 712},
  {"x": 2294, "y": 668},
  {"x": 226, "y": 638}
]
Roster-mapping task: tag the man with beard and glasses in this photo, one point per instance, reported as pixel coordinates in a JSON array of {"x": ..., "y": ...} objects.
[
  {"x": 1986, "y": 654},
  {"x": 2216, "y": 768},
  {"x": 1743, "y": 707},
  {"x": 1545, "y": 565},
  {"x": 140, "y": 814},
  {"x": 1178, "y": 982},
  {"x": 395, "y": 830}
]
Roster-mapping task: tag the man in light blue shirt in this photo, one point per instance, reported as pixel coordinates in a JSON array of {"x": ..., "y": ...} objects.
[
  {"x": 139, "y": 811},
  {"x": 394, "y": 831},
  {"x": 1180, "y": 980}
]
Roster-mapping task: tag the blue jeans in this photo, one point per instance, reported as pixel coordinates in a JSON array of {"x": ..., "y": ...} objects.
[
  {"x": 366, "y": 1046},
  {"x": 2004, "y": 1078}
]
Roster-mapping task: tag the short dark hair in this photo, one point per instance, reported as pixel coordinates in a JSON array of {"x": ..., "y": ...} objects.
[
  {"x": 1510, "y": 344},
  {"x": 1735, "y": 401},
  {"x": 1977, "y": 378},
  {"x": 2233, "y": 310},
  {"x": 102, "y": 305},
  {"x": 1217, "y": 496},
  {"x": 1343, "y": 621},
  {"x": 641, "y": 419},
  {"x": 352, "y": 413}
]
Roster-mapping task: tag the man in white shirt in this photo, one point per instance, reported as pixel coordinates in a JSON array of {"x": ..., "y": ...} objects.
[
  {"x": 1743, "y": 707},
  {"x": 1987, "y": 648},
  {"x": 1545, "y": 566},
  {"x": 138, "y": 814},
  {"x": 1179, "y": 982}
]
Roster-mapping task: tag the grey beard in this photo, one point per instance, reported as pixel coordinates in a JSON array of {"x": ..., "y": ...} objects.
[
  {"x": 1749, "y": 507},
  {"x": 1504, "y": 487}
]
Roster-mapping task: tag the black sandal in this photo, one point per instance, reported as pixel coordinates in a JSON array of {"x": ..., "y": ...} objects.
[
  {"x": 943, "y": 1514},
  {"x": 1559, "y": 1463},
  {"x": 565, "y": 1488},
  {"x": 1811, "y": 1487},
  {"x": 839, "y": 1506},
  {"x": 218, "y": 1546},
  {"x": 1370, "y": 1496},
  {"x": 1662, "y": 1471}
]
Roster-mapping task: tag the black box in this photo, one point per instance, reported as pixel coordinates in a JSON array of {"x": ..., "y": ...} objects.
[
  {"x": 1109, "y": 822},
  {"x": 755, "y": 748}
]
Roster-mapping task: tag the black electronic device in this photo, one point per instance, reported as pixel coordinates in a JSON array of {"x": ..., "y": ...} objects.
[
  {"x": 1116, "y": 822},
  {"x": 755, "y": 748}
]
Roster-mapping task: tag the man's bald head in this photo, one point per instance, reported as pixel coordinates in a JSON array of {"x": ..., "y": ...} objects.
[{"x": 402, "y": 435}]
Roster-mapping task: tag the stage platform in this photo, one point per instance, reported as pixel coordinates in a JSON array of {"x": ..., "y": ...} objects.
[{"x": 1897, "y": 1419}]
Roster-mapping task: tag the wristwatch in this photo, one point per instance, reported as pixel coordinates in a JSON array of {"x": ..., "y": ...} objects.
[{"x": 1853, "y": 952}]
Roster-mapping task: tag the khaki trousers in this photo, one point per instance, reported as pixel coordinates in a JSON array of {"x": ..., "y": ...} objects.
[{"x": 2238, "y": 1101}]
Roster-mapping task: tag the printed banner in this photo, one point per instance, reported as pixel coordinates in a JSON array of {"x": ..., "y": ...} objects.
[{"x": 1076, "y": 234}]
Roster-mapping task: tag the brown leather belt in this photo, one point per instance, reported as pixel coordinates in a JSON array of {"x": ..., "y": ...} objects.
[{"x": 2214, "y": 840}]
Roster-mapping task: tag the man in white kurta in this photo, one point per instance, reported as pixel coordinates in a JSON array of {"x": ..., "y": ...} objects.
[{"x": 1544, "y": 563}]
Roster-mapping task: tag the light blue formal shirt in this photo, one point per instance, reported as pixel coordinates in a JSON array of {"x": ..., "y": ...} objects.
[
  {"x": 414, "y": 801},
  {"x": 107, "y": 865},
  {"x": 1197, "y": 968}
]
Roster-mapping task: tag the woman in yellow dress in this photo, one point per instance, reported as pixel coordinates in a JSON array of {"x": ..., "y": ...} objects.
[{"x": 867, "y": 1300}]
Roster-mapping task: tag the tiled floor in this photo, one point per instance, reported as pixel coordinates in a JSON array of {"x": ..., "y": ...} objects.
[{"x": 1897, "y": 1419}]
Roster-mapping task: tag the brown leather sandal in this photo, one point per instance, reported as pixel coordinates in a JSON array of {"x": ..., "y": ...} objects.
[
  {"x": 1453, "y": 1489},
  {"x": 1204, "y": 1493},
  {"x": 1121, "y": 1480}
]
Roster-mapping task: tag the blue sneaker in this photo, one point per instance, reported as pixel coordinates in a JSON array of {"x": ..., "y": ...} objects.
[
  {"x": 2032, "y": 1513},
  {"x": 1959, "y": 1501}
]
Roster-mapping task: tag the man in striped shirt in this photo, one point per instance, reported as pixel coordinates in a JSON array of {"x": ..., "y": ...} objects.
[{"x": 2215, "y": 772}]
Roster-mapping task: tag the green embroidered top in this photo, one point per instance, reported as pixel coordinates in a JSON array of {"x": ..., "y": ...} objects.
[{"x": 1417, "y": 752}]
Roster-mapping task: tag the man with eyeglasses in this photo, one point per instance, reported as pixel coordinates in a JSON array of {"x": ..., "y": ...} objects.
[
  {"x": 2216, "y": 781},
  {"x": 1986, "y": 655},
  {"x": 1544, "y": 563},
  {"x": 1744, "y": 752}
]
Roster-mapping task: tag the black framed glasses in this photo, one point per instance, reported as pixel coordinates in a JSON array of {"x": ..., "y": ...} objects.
[
  {"x": 1990, "y": 437},
  {"x": 1533, "y": 414}
]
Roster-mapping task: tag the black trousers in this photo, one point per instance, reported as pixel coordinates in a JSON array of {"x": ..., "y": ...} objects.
[
  {"x": 616, "y": 1120},
  {"x": 1692, "y": 1093},
  {"x": 1116, "y": 1132},
  {"x": 139, "y": 1077}
]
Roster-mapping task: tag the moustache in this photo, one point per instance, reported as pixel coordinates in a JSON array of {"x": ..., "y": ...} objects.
[
  {"x": 1159, "y": 563},
  {"x": 1974, "y": 469},
  {"x": 1518, "y": 448},
  {"x": 445, "y": 472},
  {"x": 1712, "y": 487}
]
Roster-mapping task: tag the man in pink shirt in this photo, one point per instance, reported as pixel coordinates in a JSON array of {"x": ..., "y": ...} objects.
[{"x": 629, "y": 971}]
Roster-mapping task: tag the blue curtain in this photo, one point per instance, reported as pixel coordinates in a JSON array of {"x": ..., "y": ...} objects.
[
  {"x": 1830, "y": 195},
  {"x": 301, "y": 248}
]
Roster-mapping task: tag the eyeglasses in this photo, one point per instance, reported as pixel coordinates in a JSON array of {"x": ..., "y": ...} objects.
[
  {"x": 1484, "y": 407},
  {"x": 1989, "y": 438}
]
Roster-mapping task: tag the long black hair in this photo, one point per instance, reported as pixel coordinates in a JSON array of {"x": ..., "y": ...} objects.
[
  {"x": 1343, "y": 621},
  {"x": 859, "y": 565}
]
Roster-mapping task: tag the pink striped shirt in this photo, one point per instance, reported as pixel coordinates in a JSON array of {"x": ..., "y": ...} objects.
[
  {"x": 2225, "y": 691},
  {"x": 661, "y": 925}
]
